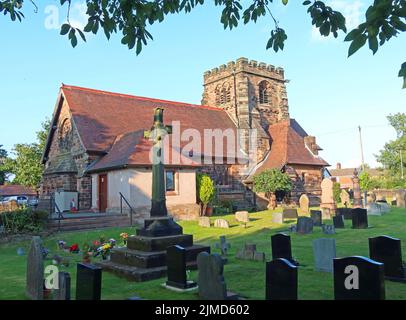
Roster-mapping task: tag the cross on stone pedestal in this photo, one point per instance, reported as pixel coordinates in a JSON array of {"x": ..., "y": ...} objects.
[{"x": 156, "y": 135}]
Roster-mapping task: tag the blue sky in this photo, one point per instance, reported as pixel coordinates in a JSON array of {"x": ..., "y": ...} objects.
[{"x": 329, "y": 94}]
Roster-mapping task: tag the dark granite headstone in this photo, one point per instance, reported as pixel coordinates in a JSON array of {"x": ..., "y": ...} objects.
[
  {"x": 388, "y": 250},
  {"x": 281, "y": 247},
  {"x": 304, "y": 225},
  {"x": 176, "y": 262},
  {"x": 63, "y": 293},
  {"x": 210, "y": 280},
  {"x": 359, "y": 218},
  {"x": 338, "y": 222},
  {"x": 290, "y": 213},
  {"x": 88, "y": 282},
  {"x": 316, "y": 217},
  {"x": 358, "y": 278},
  {"x": 35, "y": 271},
  {"x": 281, "y": 280},
  {"x": 346, "y": 212}
]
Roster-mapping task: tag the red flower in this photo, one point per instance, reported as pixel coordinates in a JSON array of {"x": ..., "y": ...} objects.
[{"x": 74, "y": 248}]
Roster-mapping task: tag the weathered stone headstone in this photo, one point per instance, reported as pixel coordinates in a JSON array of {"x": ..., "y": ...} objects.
[
  {"x": 242, "y": 216},
  {"x": 359, "y": 218},
  {"x": 277, "y": 217},
  {"x": 374, "y": 209},
  {"x": 324, "y": 251},
  {"x": 388, "y": 251},
  {"x": 204, "y": 222},
  {"x": 338, "y": 222},
  {"x": 223, "y": 245},
  {"x": 210, "y": 280},
  {"x": 281, "y": 280},
  {"x": 35, "y": 271},
  {"x": 401, "y": 198},
  {"x": 289, "y": 213},
  {"x": 358, "y": 278},
  {"x": 328, "y": 229},
  {"x": 176, "y": 268},
  {"x": 371, "y": 197},
  {"x": 304, "y": 225},
  {"x": 328, "y": 205},
  {"x": 63, "y": 293},
  {"x": 249, "y": 252},
  {"x": 88, "y": 282},
  {"x": 346, "y": 212},
  {"x": 357, "y": 201},
  {"x": 221, "y": 223},
  {"x": 316, "y": 217},
  {"x": 304, "y": 203},
  {"x": 281, "y": 247},
  {"x": 345, "y": 198}
]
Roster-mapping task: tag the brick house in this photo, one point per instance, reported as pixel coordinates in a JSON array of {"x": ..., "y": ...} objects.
[{"x": 96, "y": 145}]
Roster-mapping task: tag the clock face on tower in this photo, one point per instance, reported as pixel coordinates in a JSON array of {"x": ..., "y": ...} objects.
[{"x": 65, "y": 135}]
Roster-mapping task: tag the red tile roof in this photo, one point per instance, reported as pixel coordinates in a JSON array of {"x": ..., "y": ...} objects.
[
  {"x": 288, "y": 147},
  {"x": 113, "y": 124},
  {"x": 16, "y": 190}
]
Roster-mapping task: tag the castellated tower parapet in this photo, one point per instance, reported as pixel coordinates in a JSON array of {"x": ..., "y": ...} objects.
[{"x": 249, "y": 91}]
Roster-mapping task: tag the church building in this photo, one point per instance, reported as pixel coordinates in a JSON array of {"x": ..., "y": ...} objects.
[{"x": 96, "y": 146}]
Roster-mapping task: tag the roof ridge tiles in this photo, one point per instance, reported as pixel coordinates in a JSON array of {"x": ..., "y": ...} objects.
[{"x": 129, "y": 96}]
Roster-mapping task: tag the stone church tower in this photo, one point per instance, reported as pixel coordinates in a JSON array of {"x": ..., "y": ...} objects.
[{"x": 252, "y": 93}]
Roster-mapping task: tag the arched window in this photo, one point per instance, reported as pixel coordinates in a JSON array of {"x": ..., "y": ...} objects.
[
  {"x": 223, "y": 93},
  {"x": 264, "y": 92}
]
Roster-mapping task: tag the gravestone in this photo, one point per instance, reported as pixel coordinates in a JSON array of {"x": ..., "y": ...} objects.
[
  {"x": 221, "y": 223},
  {"x": 304, "y": 203},
  {"x": 281, "y": 247},
  {"x": 249, "y": 252},
  {"x": 388, "y": 251},
  {"x": 35, "y": 271},
  {"x": 277, "y": 217},
  {"x": 63, "y": 293},
  {"x": 328, "y": 205},
  {"x": 357, "y": 201},
  {"x": 371, "y": 197},
  {"x": 223, "y": 246},
  {"x": 204, "y": 222},
  {"x": 304, "y": 225},
  {"x": 324, "y": 251},
  {"x": 328, "y": 229},
  {"x": 88, "y": 282},
  {"x": 316, "y": 217},
  {"x": 345, "y": 198},
  {"x": 358, "y": 278},
  {"x": 210, "y": 280},
  {"x": 281, "y": 280},
  {"x": 346, "y": 212},
  {"x": 359, "y": 218},
  {"x": 374, "y": 209},
  {"x": 289, "y": 213},
  {"x": 242, "y": 216},
  {"x": 338, "y": 222},
  {"x": 176, "y": 272}
]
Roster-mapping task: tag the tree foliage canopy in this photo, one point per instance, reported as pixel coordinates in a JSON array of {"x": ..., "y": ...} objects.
[
  {"x": 393, "y": 155},
  {"x": 384, "y": 19},
  {"x": 205, "y": 188},
  {"x": 272, "y": 180},
  {"x": 3, "y": 157},
  {"x": 26, "y": 166}
]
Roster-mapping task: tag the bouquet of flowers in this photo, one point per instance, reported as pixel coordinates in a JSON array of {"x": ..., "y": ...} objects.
[
  {"x": 61, "y": 245},
  {"x": 104, "y": 250},
  {"x": 124, "y": 237},
  {"x": 74, "y": 248}
]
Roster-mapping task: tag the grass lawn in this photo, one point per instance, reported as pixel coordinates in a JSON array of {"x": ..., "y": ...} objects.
[{"x": 244, "y": 277}]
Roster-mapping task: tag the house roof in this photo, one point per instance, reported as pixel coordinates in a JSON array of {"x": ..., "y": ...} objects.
[
  {"x": 350, "y": 172},
  {"x": 16, "y": 190},
  {"x": 288, "y": 147}
]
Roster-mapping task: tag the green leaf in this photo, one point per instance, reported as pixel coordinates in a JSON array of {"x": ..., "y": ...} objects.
[
  {"x": 65, "y": 28},
  {"x": 373, "y": 44},
  {"x": 357, "y": 44}
]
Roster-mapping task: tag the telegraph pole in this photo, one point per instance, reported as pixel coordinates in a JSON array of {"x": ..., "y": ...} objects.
[{"x": 362, "y": 150}]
